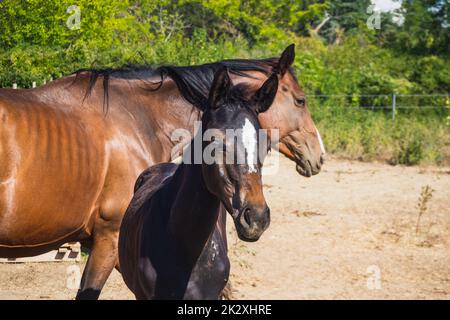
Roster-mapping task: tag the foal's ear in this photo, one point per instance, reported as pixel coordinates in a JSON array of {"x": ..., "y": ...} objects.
[
  {"x": 263, "y": 98},
  {"x": 286, "y": 60},
  {"x": 220, "y": 87}
]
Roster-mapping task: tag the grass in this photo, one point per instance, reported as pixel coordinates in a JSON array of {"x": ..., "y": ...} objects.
[
  {"x": 425, "y": 197},
  {"x": 410, "y": 139}
]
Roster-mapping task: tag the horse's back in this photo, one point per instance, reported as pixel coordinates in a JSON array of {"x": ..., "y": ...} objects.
[
  {"x": 147, "y": 185},
  {"x": 51, "y": 172}
]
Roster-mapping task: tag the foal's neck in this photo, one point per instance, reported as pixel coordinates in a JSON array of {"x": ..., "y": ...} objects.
[{"x": 195, "y": 212}]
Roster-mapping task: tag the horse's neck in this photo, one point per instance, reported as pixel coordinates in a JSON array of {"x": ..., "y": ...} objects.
[
  {"x": 159, "y": 113},
  {"x": 194, "y": 213},
  {"x": 165, "y": 103}
]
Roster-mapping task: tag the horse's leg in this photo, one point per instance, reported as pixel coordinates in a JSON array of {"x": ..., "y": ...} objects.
[
  {"x": 102, "y": 260},
  {"x": 227, "y": 292}
]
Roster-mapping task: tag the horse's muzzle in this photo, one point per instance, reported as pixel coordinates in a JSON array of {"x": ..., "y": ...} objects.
[
  {"x": 251, "y": 223},
  {"x": 306, "y": 168},
  {"x": 305, "y": 150}
]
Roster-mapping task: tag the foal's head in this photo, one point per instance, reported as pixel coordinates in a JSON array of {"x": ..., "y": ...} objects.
[{"x": 238, "y": 147}]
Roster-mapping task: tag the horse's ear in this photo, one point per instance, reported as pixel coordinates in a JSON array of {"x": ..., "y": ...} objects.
[
  {"x": 220, "y": 87},
  {"x": 286, "y": 60},
  {"x": 263, "y": 98}
]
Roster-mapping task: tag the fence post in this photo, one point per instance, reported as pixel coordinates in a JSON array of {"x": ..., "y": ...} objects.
[
  {"x": 394, "y": 105},
  {"x": 33, "y": 85},
  {"x": 14, "y": 85}
]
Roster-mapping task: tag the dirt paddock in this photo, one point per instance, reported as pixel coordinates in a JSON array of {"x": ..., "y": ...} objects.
[{"x": 348, "y": 233}]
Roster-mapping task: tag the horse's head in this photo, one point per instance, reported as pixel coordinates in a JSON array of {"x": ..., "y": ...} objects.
[
  {"x": 300, "y": 140},
  {"x": 238, "y": 147}
]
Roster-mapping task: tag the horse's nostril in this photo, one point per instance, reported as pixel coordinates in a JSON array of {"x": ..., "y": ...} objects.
[
  {"x": 247, "y": 216},
  {"x": 321, "y": 159}
]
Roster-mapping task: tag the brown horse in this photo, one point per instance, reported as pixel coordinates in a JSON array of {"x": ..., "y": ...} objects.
[
  {"x": 67, "y": 168},
  {"x": 167, "y": 245}
]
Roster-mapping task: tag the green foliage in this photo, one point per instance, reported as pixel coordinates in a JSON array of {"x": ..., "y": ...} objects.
[
  {"x": 347, "y": 16},
  {"x": 426, "y": 27},
  {"x": 344, "y": 57},
  {"x": 359, "y": 67},
  {"x": 44, "y": 23},
  {"x": 372, "y": 136}
]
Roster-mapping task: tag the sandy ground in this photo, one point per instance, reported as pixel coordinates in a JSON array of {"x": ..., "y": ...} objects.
[{"x": 348, "y": 233}]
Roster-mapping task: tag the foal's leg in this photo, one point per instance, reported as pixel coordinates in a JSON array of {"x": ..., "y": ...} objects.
[
  {"x": 102, "y": 260},
  {"x": 227, "y": 292}
]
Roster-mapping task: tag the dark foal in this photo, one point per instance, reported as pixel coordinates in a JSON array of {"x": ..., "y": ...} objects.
[{"x": 168, "y": 244}]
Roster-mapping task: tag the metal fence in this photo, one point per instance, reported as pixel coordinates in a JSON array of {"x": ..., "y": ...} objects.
[
  {"x": 371, "y": 102},
  {"x": 387, "y": 102}
]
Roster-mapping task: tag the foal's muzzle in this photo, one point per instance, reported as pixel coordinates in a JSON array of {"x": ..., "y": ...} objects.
[{"x": 251, "y": 222}]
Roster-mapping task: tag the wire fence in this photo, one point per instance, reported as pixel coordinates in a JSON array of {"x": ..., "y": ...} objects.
[{"x": 392, "y": 103}]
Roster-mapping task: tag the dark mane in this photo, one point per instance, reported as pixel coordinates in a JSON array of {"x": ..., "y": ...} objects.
[{"x": 193, "y": 82}]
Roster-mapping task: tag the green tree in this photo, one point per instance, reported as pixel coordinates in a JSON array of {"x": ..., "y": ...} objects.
[
  {"x": 40, "y": 22},
  {"x": 426, "y": 27},
  {"x": 345, "y": 17}
]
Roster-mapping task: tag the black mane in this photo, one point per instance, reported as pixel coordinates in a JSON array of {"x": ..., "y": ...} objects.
[{"x": 193, "y": 82}]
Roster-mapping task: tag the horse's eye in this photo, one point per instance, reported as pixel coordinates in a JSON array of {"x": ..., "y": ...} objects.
[{"x": 300, "y": 102}]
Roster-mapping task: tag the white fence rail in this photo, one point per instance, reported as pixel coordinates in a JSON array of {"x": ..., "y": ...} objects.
[{"x": 67, "y": 252}]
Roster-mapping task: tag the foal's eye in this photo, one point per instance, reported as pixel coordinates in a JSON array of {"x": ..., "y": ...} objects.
[{"x": 300, "y": 102}]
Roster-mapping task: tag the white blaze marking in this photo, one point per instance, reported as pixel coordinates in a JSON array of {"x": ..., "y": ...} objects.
[
  {"x": 322, "y": 147},
  {"x": 249, "y": 141}
]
